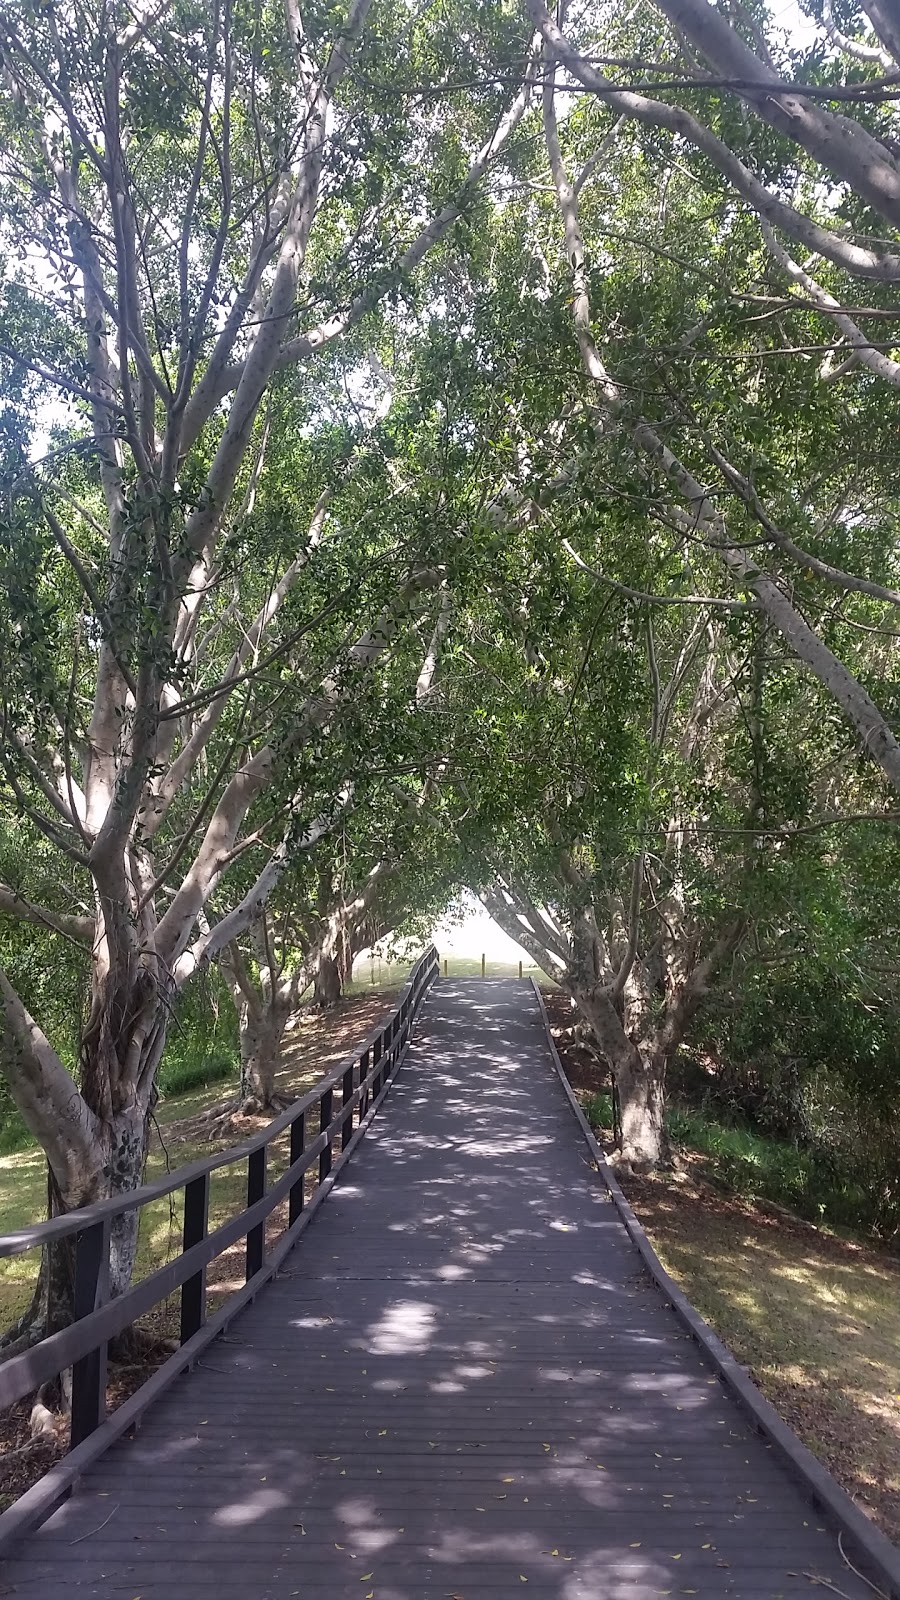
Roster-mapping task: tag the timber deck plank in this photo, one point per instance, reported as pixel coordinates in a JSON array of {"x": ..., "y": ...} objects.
[{"x": 463, "y": 1386}]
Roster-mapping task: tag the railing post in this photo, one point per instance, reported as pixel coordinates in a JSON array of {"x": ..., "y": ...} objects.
[
  {"x": 365, "y": 1061},
  {"x": 91, "y": 1290},
  {"x": 297, "y": 1198},
  {"x": 196, "y": 1221},
  {"x": 326, "y": 1104},
  {"x": 346, "y": 1097},
  {"x": 256, "y": 1188},
  {"x": 377, "y": 1049}
]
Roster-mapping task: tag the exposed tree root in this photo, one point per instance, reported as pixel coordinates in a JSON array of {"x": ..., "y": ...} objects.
[
  {"x": 626, "y": 1165},
  {"x": 228, "y": 1117}
]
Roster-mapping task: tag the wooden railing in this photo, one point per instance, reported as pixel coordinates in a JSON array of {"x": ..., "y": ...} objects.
[{"x": 361, "y": 1082}]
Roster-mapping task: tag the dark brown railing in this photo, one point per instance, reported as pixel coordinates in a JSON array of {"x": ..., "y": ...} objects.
[{"x": 361, "y": 1082}]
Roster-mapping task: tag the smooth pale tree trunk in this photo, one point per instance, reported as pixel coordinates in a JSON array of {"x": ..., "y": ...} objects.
[
  {"x": 639, "y": 1071},
  {"x": 261, "y": 1040},
  {"x": 263, "y": 1005},
  {"x": 641, "y": 1087},
  {"x": 341, "y": 941},
  {"x": 639, "y": 1040}
]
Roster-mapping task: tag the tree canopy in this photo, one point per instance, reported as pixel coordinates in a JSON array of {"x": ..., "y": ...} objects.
[{"x": 440, "y": 445}]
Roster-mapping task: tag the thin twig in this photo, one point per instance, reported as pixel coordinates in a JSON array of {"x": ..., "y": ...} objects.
[
  {"x": 92, "y": 1531},
  {"x": 860, "y": 1575},
  {"x": 824, "y": 1583}
]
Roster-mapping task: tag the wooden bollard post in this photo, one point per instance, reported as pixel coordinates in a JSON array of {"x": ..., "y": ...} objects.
[
  {"x": 520, "y": 969},
  {"x": 482, "y": 964},
  {"x": 445, "y": 966}
]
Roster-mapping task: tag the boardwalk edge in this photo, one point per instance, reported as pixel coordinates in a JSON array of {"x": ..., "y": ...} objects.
[{"x": 873, "y": 1548}]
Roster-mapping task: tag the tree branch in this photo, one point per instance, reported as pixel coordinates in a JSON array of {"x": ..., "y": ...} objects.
[
  {"x": 876, "y": 736},
  {"x": 865, "y": 263},
  {"x": 79, "y": 929},
  {"x": 219, "y": 380},
  {"x": 49, "y": 1101},
  {"x": 865, "y": 350}
]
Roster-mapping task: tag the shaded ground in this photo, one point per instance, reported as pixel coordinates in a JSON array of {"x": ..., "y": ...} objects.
[
  {"x": 814, "y": 1316},
  {"x": 316, "y": 1044}
]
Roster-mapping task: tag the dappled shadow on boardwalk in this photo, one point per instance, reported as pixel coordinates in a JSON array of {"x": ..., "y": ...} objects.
[{"x": 462, "y": 1385}]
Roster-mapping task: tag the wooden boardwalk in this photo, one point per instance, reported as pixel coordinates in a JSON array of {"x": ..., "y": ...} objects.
[{"x": 463, "y": 1387}]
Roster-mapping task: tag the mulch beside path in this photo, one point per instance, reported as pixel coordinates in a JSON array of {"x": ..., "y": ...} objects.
[
  {"x": 317, "y": 1042},
  {"x": 24, "y": 1460},
  {"x": 814, "y": 1317},
  {"x": 584, "y": 1066}
]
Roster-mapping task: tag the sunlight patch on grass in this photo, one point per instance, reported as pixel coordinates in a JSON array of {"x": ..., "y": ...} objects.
[{"x": 23, "y": 1201}]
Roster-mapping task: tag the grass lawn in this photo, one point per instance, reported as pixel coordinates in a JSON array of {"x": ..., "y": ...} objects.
[{"x": 452, "y": 966}]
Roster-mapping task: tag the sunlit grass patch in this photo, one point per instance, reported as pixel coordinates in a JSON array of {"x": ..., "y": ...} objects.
[{"x": 23, "y": 1201}]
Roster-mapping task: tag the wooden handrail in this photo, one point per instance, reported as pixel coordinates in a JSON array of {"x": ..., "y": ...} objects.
[
  {"x": 12, "y": 1244},
  {"x": 83, "y": 1344}
]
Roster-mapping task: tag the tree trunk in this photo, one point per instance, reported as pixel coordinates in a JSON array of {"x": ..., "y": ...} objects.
[
  {"x": 639, "y": 1071},
  {"x": 327, "y": 983},
  {"x": 641, "y": 1087},
  {"x": 95, "y": 1139},
  {"x": 344, "y": 958},
  {"x": 261, "y": 1041},
  {"x": 129, "y": 1137},
  {"x": 263, "y": 1005},
  {"x": 121, "y": 1048},
  {"x": 52, "y": 1306}
]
